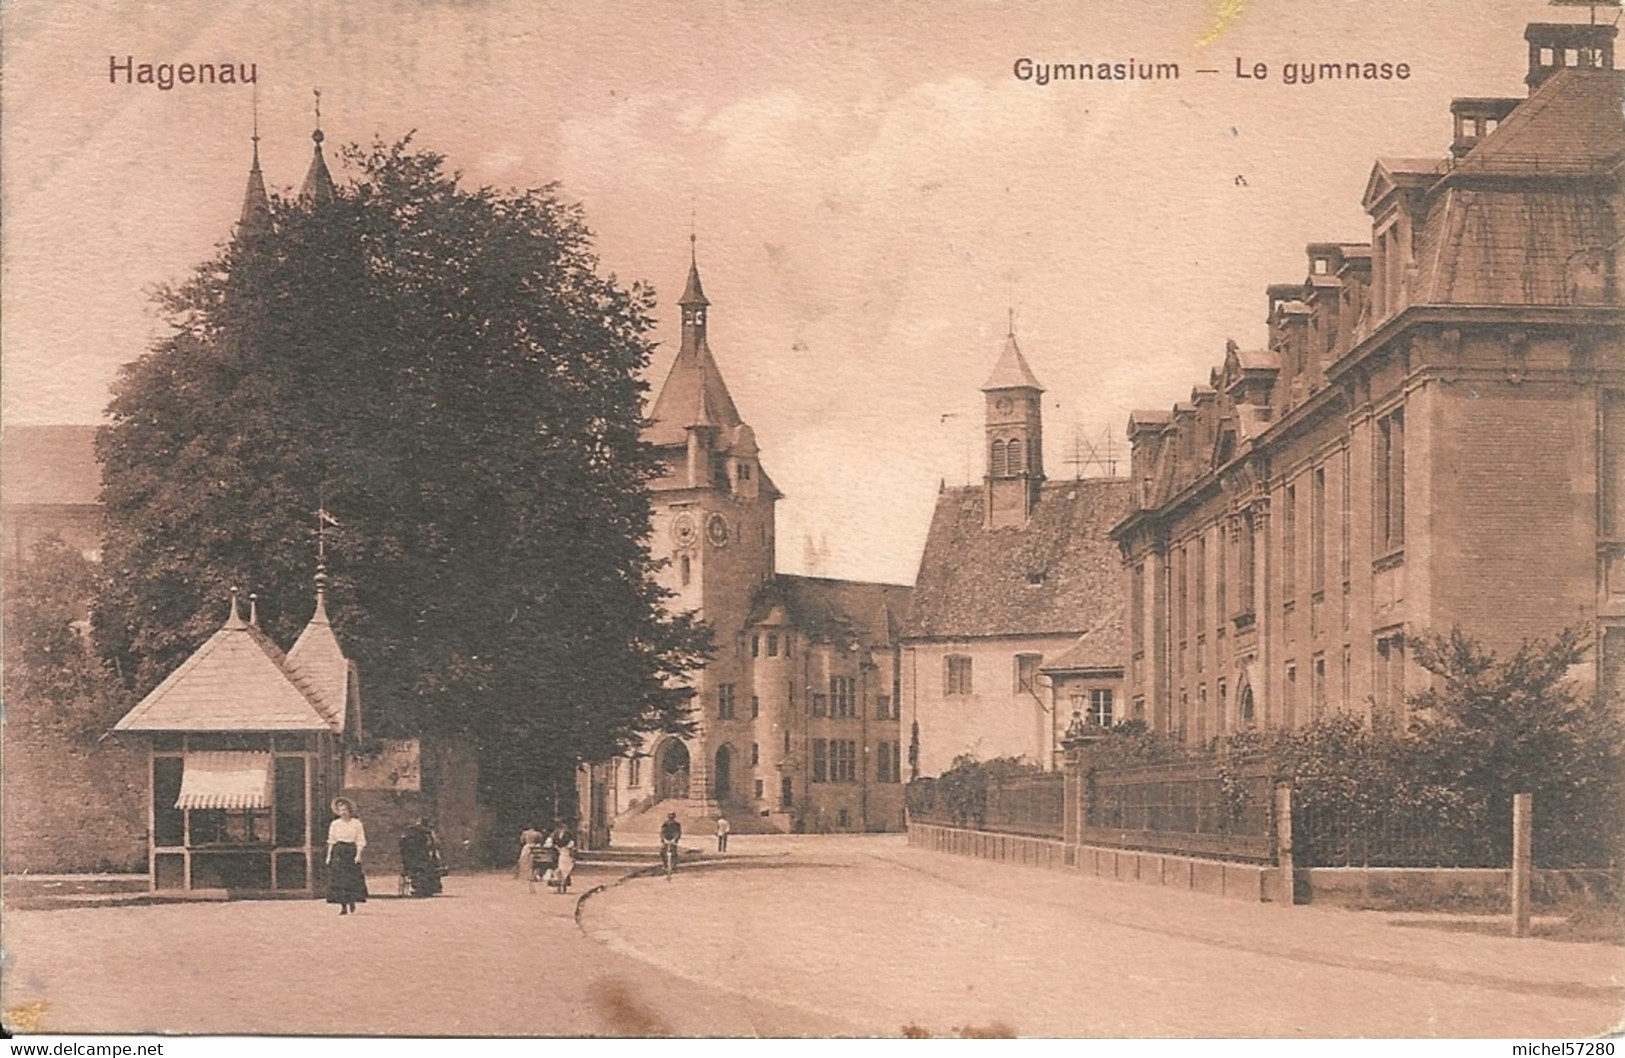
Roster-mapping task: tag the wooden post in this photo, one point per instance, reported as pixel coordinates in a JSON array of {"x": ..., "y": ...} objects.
[
  {"x": 1286, "y": 893},
  {"x": 1522, "y": 838}
]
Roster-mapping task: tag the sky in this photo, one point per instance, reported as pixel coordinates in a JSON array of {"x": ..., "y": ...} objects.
[{"x": 873, "y": 190}]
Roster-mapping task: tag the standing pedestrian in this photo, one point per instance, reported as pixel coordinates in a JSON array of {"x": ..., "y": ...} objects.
[
  {"x": 722, "y": 834},
  {"x": 346, "y": 841}
]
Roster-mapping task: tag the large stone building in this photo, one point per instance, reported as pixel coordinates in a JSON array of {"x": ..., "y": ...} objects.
[
  {"x": 1018, "y": 575},
  {"x": 797, "y": 713},
  {"x": 1433, "y": 436}
]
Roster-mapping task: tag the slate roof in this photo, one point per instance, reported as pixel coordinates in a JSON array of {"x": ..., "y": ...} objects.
[
  {"x": 1011, "y": 372},
  {"x": 1099, "y": 648},
  {"x": 829, "y": 609},
  {"x": 316, "y": 654},
  {"x": 974, "y": 581},
  {"x": 49, "y": 465},
  {"x": 238, "y": 680},
  {"x": 1491, "y": 237}
]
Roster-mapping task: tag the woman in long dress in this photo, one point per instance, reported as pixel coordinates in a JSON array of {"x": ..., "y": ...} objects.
[
  {"x": 564, "y": 848},
  {"x": 530, "y": 852},
  {"x": 346, "y": 841}
]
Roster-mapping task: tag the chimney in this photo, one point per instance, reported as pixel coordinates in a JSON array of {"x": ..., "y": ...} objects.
[
  {"x": 1475, "y": 119},
  {"x": 1555, "y": 46}
]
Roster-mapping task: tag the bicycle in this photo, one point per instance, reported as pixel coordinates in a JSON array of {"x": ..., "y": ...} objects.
[{"x": 668, "y": 857}]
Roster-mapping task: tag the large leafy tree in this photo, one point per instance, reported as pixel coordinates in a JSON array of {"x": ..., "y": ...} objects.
[{"x": 446, "y": 371}]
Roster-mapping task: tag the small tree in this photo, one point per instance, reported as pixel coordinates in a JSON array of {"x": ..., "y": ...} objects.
[{"x": 1490, "y": 727}]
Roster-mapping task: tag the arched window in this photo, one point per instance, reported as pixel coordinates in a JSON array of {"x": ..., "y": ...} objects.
[
  {"x": 1017, "y": 465},
  {"x": 996, "y": 463},
  {"x": 686, "y": 570}
]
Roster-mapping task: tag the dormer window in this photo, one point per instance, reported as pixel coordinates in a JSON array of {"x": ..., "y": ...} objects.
[{"x": 744, "y": 471}]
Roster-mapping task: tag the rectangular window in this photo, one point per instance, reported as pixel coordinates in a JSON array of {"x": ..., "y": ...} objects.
[
  {"x": 168, "y": 822},
  {"x": 1389, "y": 490},
  {"x": 1611, "y": 465},
  {"x": 1100, "y": 706},
  {"x": 787, "y": 741},
  {"x": 755, "y": 754},
  {"x": 756, "y": 645},
  {"x": 1222, "y": 716},
  {"x": 1348, "y": 673},
  {"x": 725, "y": 701},
  {"x": 843, "y": 696},
  {"x": 789, "y": 641},
  {"x": 1611, "y": 666},
  {"x": 896, "y": 762},
  {"x": 883, "y": 762},
  {"x": 1136, "y": 611},
  {"x": 755, "y": 707},
  {"x": 820, "y": 705},
  {"x": 761, "y": 789},
  {"x": 956, "y": 674},
  {"x": 1317, "y": 689},
  {"x": 1389, "y": 684},
  {"x": 1027, "y": 673},
  {"x": 1317, "y": 530},
  {"x": 843, "y": 760},
  {"x": 1200, "y": 577},
  {"x": 1344, "y": 516},
  {"x": 820, "y": 771},
  {"x": 883, "y": 707},
  {"x": 1289, "y": 695},
  {"x": 1289, "y": 544},
  {"x": 1249, "y": 544},
  {"x": 1221, "y": 574},
  {"x": 1184, "y": 593},
  {"x": 634, "y": 770},
  {"x": 772, "y": 644}
]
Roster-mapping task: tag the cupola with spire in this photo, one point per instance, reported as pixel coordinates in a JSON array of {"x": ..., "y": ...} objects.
[{"x": 318, "y": 188}]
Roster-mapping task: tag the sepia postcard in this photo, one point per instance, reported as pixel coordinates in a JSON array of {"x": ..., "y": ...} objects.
[{"x": 937, "y": 520}]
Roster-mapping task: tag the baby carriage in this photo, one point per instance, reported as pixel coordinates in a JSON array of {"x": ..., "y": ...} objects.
[{"x": 421, "y": 867}]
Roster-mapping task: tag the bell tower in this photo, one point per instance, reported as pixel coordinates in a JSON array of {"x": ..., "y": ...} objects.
[{"x": 1014, "y": 445}]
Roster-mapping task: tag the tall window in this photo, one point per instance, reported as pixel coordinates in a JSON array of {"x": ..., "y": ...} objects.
[
  {"x": 1611, "y": 665},
  {"x": 1289, "y": 695},
  {"x": 1390, "y": 480},
  {"x": 820, "y": 760},
  {"x": 755, "y": 754},
  {"x": 820, "y": 705},
  {"x": 1200, "y": 576},
  {"x": 996, "y": 460},
  {"x": 1221, "y": 576},
  {"x": 634, "y": 771},
  {"x": 1344, "y": 510},
  {"x": 1136, "y": 610},
  {"x": 843, "y": 760},
  {"x": 1027, "y": 673},
  {"x": 956, "y": 674},
  {"x": 725, "y": 701},
  {"x": 1611, "y": 466},
  {"x": 755, "y": 707},
  {"x": 1184, "y": 593},
  {"x": 772, "y": 644},
  {"x": 1016, "y": 463},
  {"x": 1249, "y": 543},
  {"x": 756, "y": 645},
  {"x": 1317, "y": 689},
  {"x": 1317, "y": 530},
  {"x": 843, "y": 696},
  {"x": 687, "y": 570},
  {"x": 883, "y": 762},
  {"x": 883, "y": 710},
  {"x": 1100, "y": 706},
  {"x": 1389, "y": 683},
  {"x": 1289, "y": 544}
]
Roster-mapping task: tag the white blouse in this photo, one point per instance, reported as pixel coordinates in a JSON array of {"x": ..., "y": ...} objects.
[{"x": 347, "y": 830}]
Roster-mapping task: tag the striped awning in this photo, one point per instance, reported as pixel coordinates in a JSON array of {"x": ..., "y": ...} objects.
[{"x": 231, "y": 780}]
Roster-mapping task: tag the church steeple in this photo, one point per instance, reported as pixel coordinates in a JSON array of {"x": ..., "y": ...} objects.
[
  {"x": 694, "y": 304},
  {"x": 318, "y": 187},
  {"x": 256, "y": 205},
  {"x": 1015, "y": 437}
]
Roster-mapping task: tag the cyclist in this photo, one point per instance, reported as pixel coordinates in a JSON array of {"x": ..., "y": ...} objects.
[{"x": 671, "y": 832}]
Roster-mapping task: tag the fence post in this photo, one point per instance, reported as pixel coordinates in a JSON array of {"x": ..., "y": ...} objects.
[
  {"x": 1522, "y": 835},
  {"x": 1287, "y": 893}
]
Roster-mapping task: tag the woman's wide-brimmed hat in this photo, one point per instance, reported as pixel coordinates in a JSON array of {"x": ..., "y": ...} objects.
[{"x": 343, "y": 801}]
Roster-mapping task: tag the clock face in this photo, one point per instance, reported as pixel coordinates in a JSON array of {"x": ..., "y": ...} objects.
[
  {"x": 683, "y": 530},
  {"x": 716, "y": 531}
]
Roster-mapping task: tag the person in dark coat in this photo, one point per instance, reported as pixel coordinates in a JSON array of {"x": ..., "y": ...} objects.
[{"x": 420, "y": 858}]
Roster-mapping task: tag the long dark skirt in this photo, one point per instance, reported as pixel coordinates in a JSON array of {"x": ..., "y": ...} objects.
[{"x": 345, "y": 882}]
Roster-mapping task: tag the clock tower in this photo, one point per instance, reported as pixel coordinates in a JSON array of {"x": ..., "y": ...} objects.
[
  {"x": 1014, "y": 439},
  {"x": 712, "y": 520}
]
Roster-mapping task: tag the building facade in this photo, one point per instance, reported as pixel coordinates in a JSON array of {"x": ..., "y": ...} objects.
[
  {"x": 1433, "y": 436},
  {"x": 797, "y": 715},
  {"x": 1014, "y": 573}
]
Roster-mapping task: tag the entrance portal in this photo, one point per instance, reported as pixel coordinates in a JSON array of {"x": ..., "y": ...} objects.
[
  {"x": 724, "y": 774},
  {"x": 671, "y": 775}
]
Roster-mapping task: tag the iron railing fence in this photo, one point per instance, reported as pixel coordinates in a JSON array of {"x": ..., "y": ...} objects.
[{"x": 1217, "y": 807}]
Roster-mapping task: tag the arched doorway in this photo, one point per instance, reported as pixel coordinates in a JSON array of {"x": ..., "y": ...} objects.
[
  {"x": 724, "y": 773},
  {"x": 671, "y": 770}
]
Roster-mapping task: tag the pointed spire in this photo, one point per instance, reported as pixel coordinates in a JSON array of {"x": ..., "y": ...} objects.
[
  {"x": 1012, "y": 372},
  {"x": 318, "y": 187},
  {"x": 236, "y": 619},
  {"x": 256, "y": 205},
  {"x": 692, "y": 293}
]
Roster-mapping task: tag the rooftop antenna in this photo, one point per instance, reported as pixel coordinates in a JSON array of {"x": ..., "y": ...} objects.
[
  {"x": 1592, "y": 4},
  {"x": 1087, "y": 453}
]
